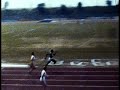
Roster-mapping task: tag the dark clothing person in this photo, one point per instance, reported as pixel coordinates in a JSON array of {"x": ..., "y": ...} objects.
[{"x": 50, "y": 58}]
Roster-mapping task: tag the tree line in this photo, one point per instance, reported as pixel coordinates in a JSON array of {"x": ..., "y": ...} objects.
[{"x": 41, "y": 12}]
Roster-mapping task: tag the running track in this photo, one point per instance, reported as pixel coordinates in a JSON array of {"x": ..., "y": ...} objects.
[{"x": 90, "y": 78}]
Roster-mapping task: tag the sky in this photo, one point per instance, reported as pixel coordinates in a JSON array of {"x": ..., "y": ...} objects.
[{"x": 15, "y": 4}]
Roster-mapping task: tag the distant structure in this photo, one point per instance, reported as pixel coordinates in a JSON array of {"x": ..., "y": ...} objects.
[{"x": 6, "y": 5}]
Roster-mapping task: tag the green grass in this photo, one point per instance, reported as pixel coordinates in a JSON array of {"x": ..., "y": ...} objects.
[{"x": 71, "y": 40}]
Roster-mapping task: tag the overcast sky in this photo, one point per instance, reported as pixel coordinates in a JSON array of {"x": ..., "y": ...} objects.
[{"x": 53, "y": 3}]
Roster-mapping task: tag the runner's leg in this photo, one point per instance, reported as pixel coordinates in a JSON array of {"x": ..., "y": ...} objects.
[
  {"x": 44, "y": 80},
  {"x": 53, "y": 60},
  {"x": 31, "y": 67},
  {"x": 47, "y": 63}
]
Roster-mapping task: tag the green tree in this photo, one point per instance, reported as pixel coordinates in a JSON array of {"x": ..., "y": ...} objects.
[
  {"x": 63, "y": 10},
  {"x": 79, "y": 5},
  {"x": 41, "y": 8},
  {"x": 109, "y": 3}
]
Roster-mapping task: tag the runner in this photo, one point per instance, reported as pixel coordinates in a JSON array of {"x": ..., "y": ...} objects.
[
  {"x": 50, "y": 56},
  {"x": 32, "y": 65},
  {"x": 43, "y": 76}
]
